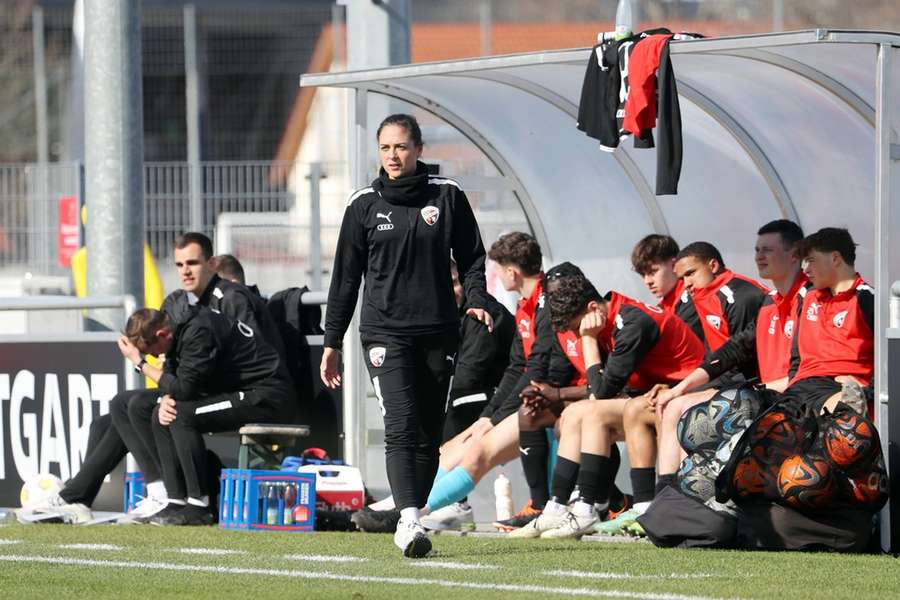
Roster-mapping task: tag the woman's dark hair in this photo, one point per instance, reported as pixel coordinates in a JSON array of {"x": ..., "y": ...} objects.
[
  {"x": 830, "y": 239},
  {"x": 408, "y": 122},
  {"x": 568, "y": 299},
  {"x": 517, "y": 249}
]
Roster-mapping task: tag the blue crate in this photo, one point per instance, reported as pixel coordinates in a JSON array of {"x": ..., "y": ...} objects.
[
  {"x": 133, "y": 490},
  {"x": 245, "y": 505}
]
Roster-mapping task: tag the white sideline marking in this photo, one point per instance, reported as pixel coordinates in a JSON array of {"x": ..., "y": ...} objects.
[
  {"x": 540, "y": 589},
  {"x": 605, "y": 575},
  {"x": 325, "y": 558},
  {"x": 9, "y": 542},
  {"x": 436, "y": 564},
  {"x": 90, "y": 547},
  {"x": 213, "y": 551}
]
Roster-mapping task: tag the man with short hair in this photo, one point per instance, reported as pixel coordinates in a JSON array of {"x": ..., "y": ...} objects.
[
  {"x": 645, "y": 346},
  {"x": 834, "y": 344},
  {"x": 219, "y": 374}
]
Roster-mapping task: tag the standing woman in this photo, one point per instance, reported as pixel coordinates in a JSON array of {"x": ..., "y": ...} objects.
[{"x": 400, "y": 233}]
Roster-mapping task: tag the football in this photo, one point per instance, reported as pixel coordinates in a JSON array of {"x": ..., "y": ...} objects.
[
  {"x": 870, "y": 488},
  {"x": 753, "y": 479},
  {"x": 807, "y": 482},
  {"x": 775, "y": 438},
  {"x": 697, "y": 478},
  {"x": 696, "y": 430},
  {"x": 38, "y": 488},
  {"x": 850, "y": 442}
]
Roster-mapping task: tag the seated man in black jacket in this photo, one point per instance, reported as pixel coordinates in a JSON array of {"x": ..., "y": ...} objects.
[{"x": 218, "y": 376}]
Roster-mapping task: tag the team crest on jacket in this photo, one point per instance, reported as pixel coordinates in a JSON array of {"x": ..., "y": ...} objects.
[
  {"x": 839, "y": 318},
  {"x": 789, "y": 329},
  {"x": 430, "y": 214},
  {"x": 376, "y": 355},
  {"x": 714, "y": 320},
  {"x": 572, "y": 348}
]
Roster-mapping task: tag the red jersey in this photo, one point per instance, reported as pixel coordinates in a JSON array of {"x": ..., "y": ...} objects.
[
  {"x": 727, "y": 306},
  {"x": 775, "y": 327},
  {"x": 835, "y": 336},
  {"x": 646, "y": 345},
  {"x": 525, "y": 311},
  {"x": 678, "y": 300},
  {"x": 570, "y": 343}
]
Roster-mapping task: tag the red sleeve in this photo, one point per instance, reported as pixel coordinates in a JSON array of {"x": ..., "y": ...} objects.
[{"x": 640, "y": 107}]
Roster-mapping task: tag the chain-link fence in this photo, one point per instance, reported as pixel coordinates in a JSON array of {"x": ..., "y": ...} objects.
[{"x": 258, "y": 211}]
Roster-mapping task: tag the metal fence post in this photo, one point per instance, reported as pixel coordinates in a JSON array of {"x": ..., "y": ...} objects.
[
  {"x": 192, "y": 93},
  {"x": 315, "y": 225}
]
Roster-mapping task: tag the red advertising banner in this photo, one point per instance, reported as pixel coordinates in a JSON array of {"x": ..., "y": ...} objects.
[{"x": 68, "y": 229}]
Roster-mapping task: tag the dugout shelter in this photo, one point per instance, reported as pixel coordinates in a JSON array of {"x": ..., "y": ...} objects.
[{"x": 800, "y": 125}]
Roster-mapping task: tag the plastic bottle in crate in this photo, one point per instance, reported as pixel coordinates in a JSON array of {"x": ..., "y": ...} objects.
[
  {"x": 272, "y": 504},
  {"x": 263, "y": 502},
  {"x": 290, "y": 499},
  {"x": 503, "y": 497}
]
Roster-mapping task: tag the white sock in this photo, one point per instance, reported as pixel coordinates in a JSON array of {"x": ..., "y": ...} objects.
[
  {"x": 157, "y": 490},
  {"x": 204, "y": 501},
  {"x": 641, "y": 507},
  {"x": 600, "y": 507},
  {"x": 409, "y": 515},
  {"x": 386, "y": 504},
  {"x": 582, "y": 509},
  {"x": 554, "y": 508},
  {"x": 178, "y": 502}
]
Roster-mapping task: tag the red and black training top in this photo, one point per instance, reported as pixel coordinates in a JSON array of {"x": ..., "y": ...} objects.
[
  {"x": 835, "y": 334},
  {"x": 645, "y": 345},
  {"x": 727, "y": 306},
  {"x": 679, "y": 301},
  {"x": 767, "y": 343},
  {"x": 570, "y": 344}
]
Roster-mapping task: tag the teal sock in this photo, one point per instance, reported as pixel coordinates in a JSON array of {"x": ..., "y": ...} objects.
[
  {"x": 440, "y": 474},
  {"x": 451, "y": 488}
]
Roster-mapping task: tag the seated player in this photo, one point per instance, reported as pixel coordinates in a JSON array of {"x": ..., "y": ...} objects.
[
  {"x": 766, "y": 345},
  {"x": 542, "y": 405},
  {"x": 726, "y": 304},
  {"x": 834, "y": 343},
  {"x": 653, "y": 258},
  {"x": 218, "y": 376},
  {"x": 645, "y": 346}
]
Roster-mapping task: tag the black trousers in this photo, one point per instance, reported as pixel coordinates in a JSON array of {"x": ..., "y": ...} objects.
[
  {"x": 108, "y": 445},
  {"x": 131, "y": 412},
  {"x": 182, "y": 452},
  {"x": 463, "y": 409},
  {"x": 411, "y": 376},
  {"x": 104, "y": 451}
]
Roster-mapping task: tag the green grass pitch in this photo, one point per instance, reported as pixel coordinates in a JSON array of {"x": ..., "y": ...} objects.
[{"x": 60, "y": 561}]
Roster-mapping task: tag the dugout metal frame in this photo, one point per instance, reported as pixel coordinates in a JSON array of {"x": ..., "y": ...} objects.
[{"x": 801, "y": 125}]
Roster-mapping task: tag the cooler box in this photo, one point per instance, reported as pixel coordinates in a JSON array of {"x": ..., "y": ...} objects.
[
  {"x": 338, "y": 487},
  {"x": 258, "y": 500}
]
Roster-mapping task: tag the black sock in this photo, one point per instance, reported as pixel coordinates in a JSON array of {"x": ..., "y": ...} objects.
[
  {"x": 564, "y": 476},
  {"x": 642, "y": 481},
  {"x": 593, "y": 479},
  {"x": 534, "y": 450},
  {"x": 663, "y": 481},
  {"x": 616, "y": 497}
]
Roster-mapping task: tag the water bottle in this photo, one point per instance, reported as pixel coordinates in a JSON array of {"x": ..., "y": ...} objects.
[
  {"x": 272, "y": 511},
  {"x": 503, "y": 497},
  {"x": 624, "y": 20},
  {"x": 290, "y": 498}
]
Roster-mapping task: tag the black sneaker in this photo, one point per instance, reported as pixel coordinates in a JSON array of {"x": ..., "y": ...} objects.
[
  {"x": 161, "y": 518},
  {"x": 187, "y": 515},
  {"x": 376, "y": 521}
]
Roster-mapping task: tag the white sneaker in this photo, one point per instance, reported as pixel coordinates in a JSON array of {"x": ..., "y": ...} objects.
[
  {"x": 412, "y": 539},
  {"x": 536, "y": 527},
  {"x": 54, "y": 505},
  {"x": 452, "y": 516},
  {"x": 573, "y": 526},
  {"x": 145, "y": 509}
]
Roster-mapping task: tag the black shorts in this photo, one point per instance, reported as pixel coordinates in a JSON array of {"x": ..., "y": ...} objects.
[{"x": 812, "y": 391}]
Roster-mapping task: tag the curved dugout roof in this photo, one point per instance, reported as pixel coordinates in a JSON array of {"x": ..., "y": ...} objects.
[{"x": 779, "y": 125}]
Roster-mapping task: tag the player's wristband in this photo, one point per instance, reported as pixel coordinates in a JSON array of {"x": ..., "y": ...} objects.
[{"x": 139, "y": 368}]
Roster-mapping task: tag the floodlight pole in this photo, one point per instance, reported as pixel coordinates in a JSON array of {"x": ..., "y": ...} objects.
[{"x": 114, "y": 153}]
